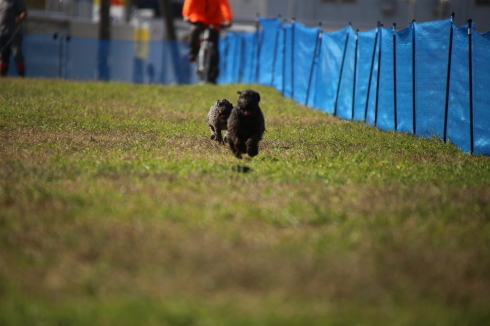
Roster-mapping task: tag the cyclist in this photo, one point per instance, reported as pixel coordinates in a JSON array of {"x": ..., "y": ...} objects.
[
  {"x": 12, "y": 13},
  {"x": 202, "y": 14}
]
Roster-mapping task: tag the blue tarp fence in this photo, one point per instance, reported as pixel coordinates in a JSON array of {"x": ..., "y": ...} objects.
[
  {"x": 61, "y": 56},
  {"x": 429, "y": 79}
]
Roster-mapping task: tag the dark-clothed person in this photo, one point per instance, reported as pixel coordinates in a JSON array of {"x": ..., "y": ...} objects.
[{"x": 12, "y": 14}]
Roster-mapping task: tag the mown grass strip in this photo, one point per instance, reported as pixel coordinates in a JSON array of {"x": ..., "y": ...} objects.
[{"x": 116, "y": 208}]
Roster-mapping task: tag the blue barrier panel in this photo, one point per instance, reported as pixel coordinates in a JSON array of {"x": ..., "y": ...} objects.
[
  {"x": 268, "y": 46},
  {"x": 346, "y": 81},
  {"x": 288, "y": 61},
  {"x": 431, "y": 57},
  {"x": 404, "y": 89},
  {"x": 365, "y": 52},
  {"x": 228, "y": 57},
  {"x": 385, "y": 109},
  {"x": 330, "y": 60},
  {"x": 42, "y": 56},
  {"x": 458, "y": 125},
  {"x": 235, "y": 57},
  {"x": 278, "y": 68},
  {"x": 313, "y": 72},
  {"x": 254, "y": 75},
  {"x": 103, "y": 60},
  {"x": 304, "y": 45},
  {"x": 481, "y": 93},
  {"x": 155, "y": 63},
  {"x": 82, "y": 59},
  {"x": 248, "y": 60},
  {"x": 159, "y": 58},
  {"x": 120, "y": 59},
  {"x": 223, "y": 49},
  {"x": 175, "y": 66}
]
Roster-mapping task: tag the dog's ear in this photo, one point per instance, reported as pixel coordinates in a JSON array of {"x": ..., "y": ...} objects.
[
  {"x": 239, "y": 92},
  {"x": 258, "y": 97}
]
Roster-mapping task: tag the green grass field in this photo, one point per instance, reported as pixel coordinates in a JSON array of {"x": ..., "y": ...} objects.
[{"x": 117, "y": 209}]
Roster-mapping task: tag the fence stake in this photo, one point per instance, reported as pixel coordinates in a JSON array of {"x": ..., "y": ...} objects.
[
  {"x": 470, "y": 70},
  {"x": 355, "y": 75},
  {"x": 316, "y": 52},
  {"x": 395, "y": 104},
  {"x": 371, "y": 72},
  {"x": 238, "y": 57},
  {"x": 259, "y": 46},
  {"x": 284, "y": 62},
  {"x": 378, "y": 75},
  {"x": 446, "y": 107},
  {"x": 414, "y": 125},
  {"x": 341, "y": 71},
  {"x": 240, "y": 70},
  {"x": 223, "y": 63},
  {"x": 293, "y": 28},
  {"x": 274, "y": 60}
]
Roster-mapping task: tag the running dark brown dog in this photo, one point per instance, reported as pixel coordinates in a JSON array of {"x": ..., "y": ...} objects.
[{"x": 246, "y": 124}]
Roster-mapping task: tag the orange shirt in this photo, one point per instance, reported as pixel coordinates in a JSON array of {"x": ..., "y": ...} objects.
[{"x": 210, "y": 12}]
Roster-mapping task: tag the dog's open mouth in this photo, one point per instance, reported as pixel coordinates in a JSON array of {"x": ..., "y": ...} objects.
[
  {"x": 223, "y": 116},
  {"x": 247, "y": 112}
]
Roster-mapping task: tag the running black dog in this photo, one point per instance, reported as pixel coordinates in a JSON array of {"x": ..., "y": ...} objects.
[
  {"x": 217, "y": 119},
  {"x": 246, "y": 124}
]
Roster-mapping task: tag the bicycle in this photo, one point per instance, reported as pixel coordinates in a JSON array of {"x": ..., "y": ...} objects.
[{"x": 206, "y": 55}]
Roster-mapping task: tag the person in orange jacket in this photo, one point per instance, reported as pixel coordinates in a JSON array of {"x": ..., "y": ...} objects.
[{"x": 202, "y": 14}]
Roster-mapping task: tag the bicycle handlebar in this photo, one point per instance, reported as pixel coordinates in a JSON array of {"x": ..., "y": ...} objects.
[{"x": 211, "y": 26}]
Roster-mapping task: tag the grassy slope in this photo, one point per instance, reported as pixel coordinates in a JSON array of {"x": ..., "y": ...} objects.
[{"x": 116, "y": 209}]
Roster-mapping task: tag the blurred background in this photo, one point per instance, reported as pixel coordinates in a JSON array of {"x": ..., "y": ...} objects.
[{"x": 79, "y": 18}]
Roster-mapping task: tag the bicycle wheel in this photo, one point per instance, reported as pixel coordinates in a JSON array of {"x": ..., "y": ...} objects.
[
  {"x": 206, "y": 55},
  {"x": 201, "y": 62},
  {"x": 210, "y": 54}
]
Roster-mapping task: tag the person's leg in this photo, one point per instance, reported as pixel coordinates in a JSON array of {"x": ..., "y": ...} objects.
[
  {"x": 18, "y": 55},
  {"x": 4, "y": 56},
  {"x": 214, "y": 69},
  {"x": 195, "y": 33}
]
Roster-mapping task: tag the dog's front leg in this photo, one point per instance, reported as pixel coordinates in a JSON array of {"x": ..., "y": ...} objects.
[
  {"x": 213, "y": 132},
  {"x": 234, "y": 149},
  {"x": 219, "y": 137},
  {"x": 252, "y": 147},
  {"x": 241, "y": 147}
]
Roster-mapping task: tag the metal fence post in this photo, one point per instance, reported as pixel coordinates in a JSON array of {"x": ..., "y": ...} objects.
[
  {"x": 378, "y": 76},
  {"x": 395, "y": 104},
  {"x": 446, "y": 106},
  {"x": 470, "y": 82},
  {"x": 293, "y": 28},
  {"x": 341, "y": 71},
  {"x": 355, "y": 75},
  {"x": 316, "y": 52},
  {"x": 274, "y": 57},
  {"x": 371, "y": 72},
  {"x": 414, "y": 118}
]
